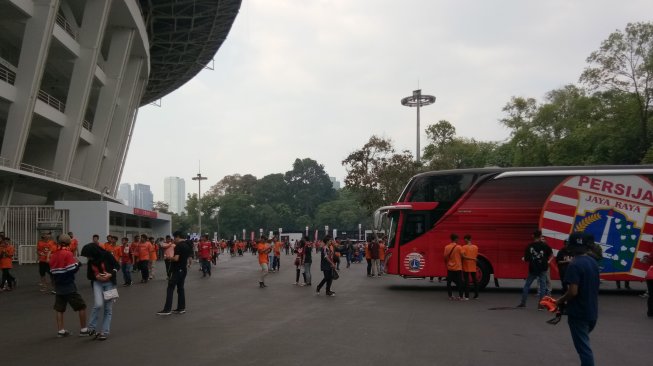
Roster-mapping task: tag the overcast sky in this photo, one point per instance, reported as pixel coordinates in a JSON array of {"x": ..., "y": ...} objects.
[{"x": 316, "y": 78}]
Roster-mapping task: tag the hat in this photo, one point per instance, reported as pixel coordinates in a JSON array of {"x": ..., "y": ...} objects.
[
  {"x": 64, "y": 239},
  {"x": 576, "y": 239}
]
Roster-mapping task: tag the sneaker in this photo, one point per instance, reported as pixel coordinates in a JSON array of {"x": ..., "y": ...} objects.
[
  {"x": 63, "y": 333},
  {"x": 317, "y": 292},
  {"x": 102, "y": 337},
  {"x": 331, "y": 294},
  {"x": 179, "y": 311},
  {"x": 540, "y": 308},
  {"x": 164, "y": 312},
  {"x": 465, "y": 299},
  {"x": 85, "y": 332},
  {"x": 521, "y": 305}
]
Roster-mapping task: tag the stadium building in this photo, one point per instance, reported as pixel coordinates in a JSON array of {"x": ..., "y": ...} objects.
[{"x": 73, "y": 74}]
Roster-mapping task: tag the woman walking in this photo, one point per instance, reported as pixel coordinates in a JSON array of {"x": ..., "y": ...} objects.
[
  {"x": 328, "y": 266},
  {"x": 102, "y": 269},
  {"x": 299, "y": 261}
]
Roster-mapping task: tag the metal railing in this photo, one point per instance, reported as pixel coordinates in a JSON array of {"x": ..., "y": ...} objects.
[
  {"x": 63, "y": 23},
  {"x": 87, "y": 125},
  {"x": 39, "y": 171},
  {"x": 7, "y": 75},
  {"x": 52, "y": 101}
]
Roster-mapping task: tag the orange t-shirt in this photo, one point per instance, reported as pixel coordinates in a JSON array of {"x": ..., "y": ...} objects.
[
  {"x": 368, "y": 255},
  {"x": 116, "y": 250},
  {"x": 44, "y": 249},
  {"x": 277, "y": 249},
  {"x": 262, "y": 253},
  {"x": 6, "y": 256},
  {"x": 469, "y": 251},
  {"x": 381, "y": 252},
  {"x": 452, "y": 257},
  {"x": 73, "y": 245},
  {"x": 144, "y": 251},
  {"x": 153, "y": 250}
]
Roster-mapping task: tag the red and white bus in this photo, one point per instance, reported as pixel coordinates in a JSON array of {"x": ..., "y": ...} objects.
[{"x": 501, "y": 208}]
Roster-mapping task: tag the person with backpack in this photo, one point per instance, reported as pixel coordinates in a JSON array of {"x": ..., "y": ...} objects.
[{"x": 537, "y": 256}]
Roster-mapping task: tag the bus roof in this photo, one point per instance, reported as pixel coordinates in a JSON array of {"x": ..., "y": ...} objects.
[{"x": 548, "y": 170}]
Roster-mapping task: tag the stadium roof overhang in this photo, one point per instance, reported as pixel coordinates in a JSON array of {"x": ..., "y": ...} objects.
[{"x": 184, "y": 36}]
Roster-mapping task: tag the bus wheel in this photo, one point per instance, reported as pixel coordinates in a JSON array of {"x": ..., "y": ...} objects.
[{"x": 483, "y": 271}]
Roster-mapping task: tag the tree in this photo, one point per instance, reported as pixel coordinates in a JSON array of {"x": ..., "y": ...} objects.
[
  {"x": 309, "y": 186},
  {"x": 447, "y": 151},
  {"x": 236, "y": 183},
  {"x": 161, "y": 207},
  {"x": 271, "y": 189},
  {"x": 624, "y": 62}
]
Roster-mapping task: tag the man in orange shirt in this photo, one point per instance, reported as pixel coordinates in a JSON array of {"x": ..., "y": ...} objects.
[
  {"x": 6, "y": 257},
  {"x": 143, "y": 253},
  {"x": 74, "y": 243},
  {"x": 469, "y": 252},
  {"x": 204, "y": 253},
  {"x": 276, "y": 260},
  {"x": 381, "y": 257},
  {"x": 45, "y": 247},
  {"x": 263, "y": 250},
  {"x": 453, "y": 261}
]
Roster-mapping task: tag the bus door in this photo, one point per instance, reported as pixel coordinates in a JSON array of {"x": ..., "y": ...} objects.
[{"x": 415, "y": 242}]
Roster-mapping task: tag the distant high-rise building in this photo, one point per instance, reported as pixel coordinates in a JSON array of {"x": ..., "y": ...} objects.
[
  {"x": 174, "y": 194},
  {"x": 335, "y": 183},
  {"x": 143, "y": 197},
  {"x": 125, "y": 193}
]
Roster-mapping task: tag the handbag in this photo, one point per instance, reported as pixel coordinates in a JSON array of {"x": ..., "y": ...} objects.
[
  {"x": 111, "y": 294},
  {"x": 334, "y": 274}
]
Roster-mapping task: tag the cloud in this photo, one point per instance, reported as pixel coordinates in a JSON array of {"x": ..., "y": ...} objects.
[{"x": 315, "y": 79}]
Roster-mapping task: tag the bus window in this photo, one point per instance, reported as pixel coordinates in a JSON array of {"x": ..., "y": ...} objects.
[
  {"x": 393, "y": 220},
  {"x": 413, "y": 227},
  {"x": 440, "y": 188}
]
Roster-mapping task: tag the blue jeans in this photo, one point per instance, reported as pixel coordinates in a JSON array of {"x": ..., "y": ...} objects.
[
  {"x": 580, "y": 334},
  {"x": 541, "y": 281},
  {"x": 99, "y": 302},
  {"x": 205, "y": 265},
  {"x": 127, "y": 272}
]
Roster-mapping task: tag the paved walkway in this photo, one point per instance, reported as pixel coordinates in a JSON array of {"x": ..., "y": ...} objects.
[{"x": 384, "y": 321}]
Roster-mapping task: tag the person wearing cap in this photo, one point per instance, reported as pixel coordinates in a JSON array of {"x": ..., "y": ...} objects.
[
  {"x": 582, "y": 297},
  {"x": 63, "y": 267},
  {"x": 537, "y": 255}
]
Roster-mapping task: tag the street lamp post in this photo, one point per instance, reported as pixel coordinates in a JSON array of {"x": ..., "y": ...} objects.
[
  {"x": 418, "y": 100},
  {"x": 199, "y": 178}
]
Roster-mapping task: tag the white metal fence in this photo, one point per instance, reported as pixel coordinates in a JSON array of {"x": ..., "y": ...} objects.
[{"x": 24, "y": 224}]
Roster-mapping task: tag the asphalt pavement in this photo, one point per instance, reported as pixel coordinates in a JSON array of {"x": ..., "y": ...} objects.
[{"x": 370, "y": 321}]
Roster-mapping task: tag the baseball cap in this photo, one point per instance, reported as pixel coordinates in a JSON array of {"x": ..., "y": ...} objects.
[{"x": 576, "y": 239}]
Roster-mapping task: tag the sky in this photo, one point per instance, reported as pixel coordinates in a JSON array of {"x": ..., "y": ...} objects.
[{"x": 315, "y": 79}]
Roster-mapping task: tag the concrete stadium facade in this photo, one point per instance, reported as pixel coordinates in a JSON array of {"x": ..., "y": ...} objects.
[{"x": 73, "y": 74}]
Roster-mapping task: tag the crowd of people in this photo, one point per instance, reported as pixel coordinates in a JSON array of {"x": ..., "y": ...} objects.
[{"x": 577, "y": 262}]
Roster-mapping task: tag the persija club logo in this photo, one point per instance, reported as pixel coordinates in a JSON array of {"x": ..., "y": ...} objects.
[{"x": 614, "y": 209}]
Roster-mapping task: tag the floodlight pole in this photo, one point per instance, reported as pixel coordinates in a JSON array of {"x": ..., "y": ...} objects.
[
  {"x": 418, "y": 100},
  {"x": 199, "y": 178}
]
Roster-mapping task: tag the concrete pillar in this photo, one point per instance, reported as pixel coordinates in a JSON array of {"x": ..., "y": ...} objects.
[
  {"x": 96, "y": 13},
  {"x": 120, "y": 123},
  {"x": 115, "y": 70},
  {"x": 33, "y": 56},
  {"x": 124, "y": 147}
]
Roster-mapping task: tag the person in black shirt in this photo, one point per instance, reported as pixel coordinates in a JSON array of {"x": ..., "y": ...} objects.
[
  {"x": 562, "y": 260},
  {"x": 178, "y": 271},
  {"x": 537, "y": 255}
]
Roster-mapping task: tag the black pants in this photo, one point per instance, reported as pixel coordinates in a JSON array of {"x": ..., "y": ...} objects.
[
  {"x": 328, "y": 279},
  {"x": 369, "y": 266},
  {"x": 145, "y": 271},
  {"x": 167, "y": 263},
  {"x": 466, "y": 276},
  {"x": 455, "y": 277},
  {"x": 177, "y": 279},
  {"x": 7, "y": 278},
  {"x": 297, "y": 275}
]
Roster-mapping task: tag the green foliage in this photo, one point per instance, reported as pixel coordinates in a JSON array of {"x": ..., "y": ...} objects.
[{"x": 377, "y": 174}]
